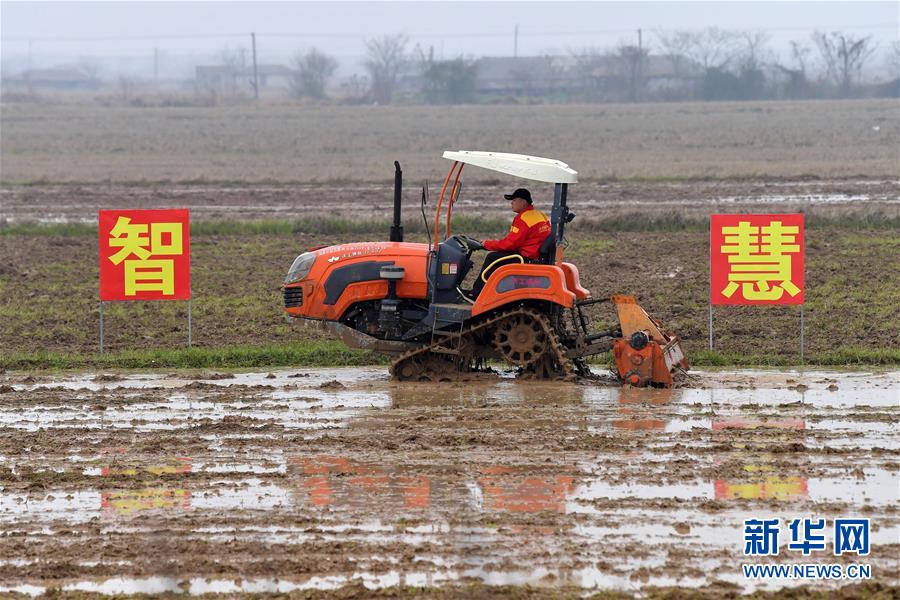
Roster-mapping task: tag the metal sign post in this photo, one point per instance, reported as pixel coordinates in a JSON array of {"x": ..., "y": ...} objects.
[
  {"x": 757, "y": 260},
  {"x": 144, "y": 255},
  {"x": 710, "y": 287},
  {"x": 801, "y": 335}
]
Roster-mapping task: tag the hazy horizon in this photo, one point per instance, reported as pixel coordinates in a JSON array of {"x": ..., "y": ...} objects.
[{"x": 128, "y": 33}]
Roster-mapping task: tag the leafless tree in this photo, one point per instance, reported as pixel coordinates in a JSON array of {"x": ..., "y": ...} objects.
[
  {"x": 590, "y": 68},
  {"x": 630, "y": 61},
  {"x": 386, "y": 59},
  {"x": 676, "y": 46},
  {"x": 446, "y": 81},
  {"x": 713, "y": 48},
  {"x": 752, "y": 50},
  {"x": 355, "y": 89},
  {"x": 799, "y": 55},
  {"x": 313, "y": 69},
  {"x": 794, "y": 82},
  {"x": 843, "y": 56},
  {"x": 893, "y": 59},
  {"x": 235, "y": 63}
]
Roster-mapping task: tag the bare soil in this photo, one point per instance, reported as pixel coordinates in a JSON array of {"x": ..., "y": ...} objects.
[{"x": 81, "y": 143}]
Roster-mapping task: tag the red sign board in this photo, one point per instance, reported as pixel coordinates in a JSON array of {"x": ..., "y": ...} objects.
[
  {"x": 756, "y": 259},
  {"x": 145, "y": 255}
]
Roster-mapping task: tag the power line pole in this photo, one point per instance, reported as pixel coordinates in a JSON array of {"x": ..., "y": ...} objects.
[
  {"x": 30, "y": 67},
  {"x": 640, "y": 69},
  {"x": 255, "y": 72},
  {"x": 516, "y": 42}
]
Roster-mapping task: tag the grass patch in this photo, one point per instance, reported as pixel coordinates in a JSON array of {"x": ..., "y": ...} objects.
[
  {"x": 305, "y": 354},
  {"x": 29, "y": 228},
  {"x": 335, "y": 354},
  {"x": 48, "y": 302},
  {"x": 840, "y": 357}
]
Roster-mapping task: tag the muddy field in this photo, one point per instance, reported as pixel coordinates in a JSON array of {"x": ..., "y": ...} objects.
[
  {"x": 590, "y": 200},
  {"x": 852, "y": 269},
  {"x": 338, "y": 482},
  {"x": 339, "y": 479}
]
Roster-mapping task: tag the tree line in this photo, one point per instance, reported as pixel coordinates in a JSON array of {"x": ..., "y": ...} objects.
[{"x": 711, "y": 64}]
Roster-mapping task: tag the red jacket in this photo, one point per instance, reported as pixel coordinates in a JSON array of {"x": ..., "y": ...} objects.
[{"x": 529, "y": 230}]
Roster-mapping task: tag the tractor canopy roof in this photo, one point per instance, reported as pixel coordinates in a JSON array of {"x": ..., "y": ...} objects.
[{"x": 534, "y": 168}]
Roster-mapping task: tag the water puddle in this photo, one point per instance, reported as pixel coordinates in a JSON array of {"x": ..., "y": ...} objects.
[{"x": 83, "y": 505}]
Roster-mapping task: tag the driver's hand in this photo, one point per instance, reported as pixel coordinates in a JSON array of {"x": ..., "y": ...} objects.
[{"x": 472, "y": 243}]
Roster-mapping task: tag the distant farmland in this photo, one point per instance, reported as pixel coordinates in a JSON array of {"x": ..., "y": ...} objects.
[{"x": 87, "y": 143}]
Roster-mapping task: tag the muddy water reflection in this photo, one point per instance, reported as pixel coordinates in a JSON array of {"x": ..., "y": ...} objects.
[
  {"x": 329, "y": 480},
  {"x": 759, "y": 476},
  {"x": 385, "y": 484}
]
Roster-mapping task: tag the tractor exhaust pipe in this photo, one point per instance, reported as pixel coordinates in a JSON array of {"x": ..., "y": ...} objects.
[{"x": 397, "y": 228}]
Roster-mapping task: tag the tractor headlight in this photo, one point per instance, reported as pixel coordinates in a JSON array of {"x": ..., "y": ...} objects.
[{"x": 301, "y": 267}]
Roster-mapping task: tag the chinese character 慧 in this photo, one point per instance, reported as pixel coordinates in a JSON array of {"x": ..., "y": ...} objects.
[{"x": 759, "y": 260}]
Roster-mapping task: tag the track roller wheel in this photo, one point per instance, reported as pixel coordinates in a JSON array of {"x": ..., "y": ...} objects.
[{"x": 521, "y": 339}]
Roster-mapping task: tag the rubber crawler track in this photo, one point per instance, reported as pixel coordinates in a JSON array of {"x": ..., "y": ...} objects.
[{"x": 440, "y": 361}]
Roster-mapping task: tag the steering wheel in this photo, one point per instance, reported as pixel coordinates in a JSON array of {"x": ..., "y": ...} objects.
[{"x": 470, "y": 244}]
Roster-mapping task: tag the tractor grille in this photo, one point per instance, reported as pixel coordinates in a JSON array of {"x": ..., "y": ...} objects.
[{"x": 293, "y": 296}]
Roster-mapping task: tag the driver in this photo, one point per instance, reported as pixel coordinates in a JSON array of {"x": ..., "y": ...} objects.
[{"x": 529, "y": 229}]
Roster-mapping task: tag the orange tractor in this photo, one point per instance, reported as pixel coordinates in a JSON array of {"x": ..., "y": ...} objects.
[{"x": 405, "y": 299}]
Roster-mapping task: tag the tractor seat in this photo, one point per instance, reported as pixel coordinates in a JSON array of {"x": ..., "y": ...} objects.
[{"x": 547, "y": 251}]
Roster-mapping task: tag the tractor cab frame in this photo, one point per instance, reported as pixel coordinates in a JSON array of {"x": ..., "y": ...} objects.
[{"x": 449, "y": 256}]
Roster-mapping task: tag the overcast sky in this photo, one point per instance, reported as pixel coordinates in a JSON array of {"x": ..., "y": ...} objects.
[{"x": 453, "y": 28}]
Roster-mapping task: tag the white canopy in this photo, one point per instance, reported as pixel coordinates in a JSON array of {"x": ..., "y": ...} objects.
[{"x": 518, "y": 165}]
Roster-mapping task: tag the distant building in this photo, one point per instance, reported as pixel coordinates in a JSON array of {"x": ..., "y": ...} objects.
[
  {"x": 225, "y": 78},
  {"x": 58, "y": 78},
  {"x": 274, "y": 76},
  {"x": 600, "y": 75},
  {"x": 527, "y": 75}
]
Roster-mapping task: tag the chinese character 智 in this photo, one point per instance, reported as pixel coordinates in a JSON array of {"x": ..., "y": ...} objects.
[
  {"x": 144, "y": 255},
  {"x": 141, "y": 273}
]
